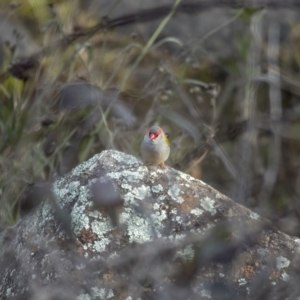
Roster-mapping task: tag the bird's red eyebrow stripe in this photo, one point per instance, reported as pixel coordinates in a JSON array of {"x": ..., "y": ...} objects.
[{"x": 159, "y": 132}]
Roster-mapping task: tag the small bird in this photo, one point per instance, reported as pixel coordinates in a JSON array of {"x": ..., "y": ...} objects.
[{"x": 155, "y": 147}]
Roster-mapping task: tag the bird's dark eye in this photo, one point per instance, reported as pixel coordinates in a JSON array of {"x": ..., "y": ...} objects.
[{"x": 167, "y": 135}]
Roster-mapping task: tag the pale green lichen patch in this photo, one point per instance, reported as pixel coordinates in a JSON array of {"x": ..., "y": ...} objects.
[
  {"x": 79, "y": 219},
  {"x": 139, "y": 229},
  {"x": 174, "y": 193},
  {"x": 130, "y": 176},
  {"x": 206, "y": 294},
  {"x": 95, "y": 214},
  {"x": 101, "y": 228},
  {"x": 254, "y": 215},
  {"x": 46, "y": 211},
  {"x": 161, "y": 198},
  {"x": 84, "y": 297},
  {"x": 73, "y": 188},
  {"x": 188, "y": 253},
  {"x": 114, "y": 255},
  {"x": 178, "y": 219},
  {"x": 285, "y": 276},
  {"x": 9, "y": 293},
  {"x": 68, "y": 193},
  {"x": 128, "y": 198},
  {"x": 157, "y": 188},
  {"x": 125, "y": 215},
  {"x": 119, "y": 157},
  {"x": 141, "y": 193},
  {"x": 196, "y": 211},
  {"x": 126, "y": 186},
  {"x": 100, "y": 293},
  {"x": 179, "y": 236},
  {"x": 158, "y": 218},
  {"x": 186, "y": 177},
  {"x": 100, "y": 246},
  {"x": 159, "y": 170},
  {"x": 156, "y": 206},
  {"x": 138, "y": 193},
  {"x": 208, "y": 204},
  {"x": 282, "y": 262}
]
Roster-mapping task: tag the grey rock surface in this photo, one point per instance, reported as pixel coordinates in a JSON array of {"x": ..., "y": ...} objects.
[{"x": 177, "y": 238}]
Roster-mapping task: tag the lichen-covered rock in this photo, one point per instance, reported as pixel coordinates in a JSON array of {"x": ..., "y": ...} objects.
[{"x": 176, "y": 238}]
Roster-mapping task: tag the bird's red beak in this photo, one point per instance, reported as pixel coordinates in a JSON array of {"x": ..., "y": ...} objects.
[{"x": 152, "y": 136}]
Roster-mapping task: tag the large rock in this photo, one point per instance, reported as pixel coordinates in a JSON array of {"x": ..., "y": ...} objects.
[{"x": 175, "y": 238}]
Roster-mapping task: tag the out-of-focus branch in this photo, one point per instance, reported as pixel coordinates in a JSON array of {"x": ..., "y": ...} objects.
[{"x": 21, "y": 69}]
